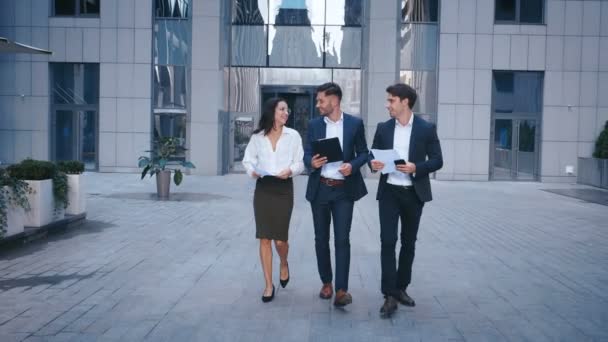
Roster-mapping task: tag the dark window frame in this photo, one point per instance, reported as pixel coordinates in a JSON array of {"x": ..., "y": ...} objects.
[
  {"x": 517, "y": 20},
  {"x": 437, "y": 15},
  {"x": 77, "y": 11}
]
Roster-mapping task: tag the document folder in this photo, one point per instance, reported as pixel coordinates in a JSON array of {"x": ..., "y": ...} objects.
[{"x": 329, "y": 148}]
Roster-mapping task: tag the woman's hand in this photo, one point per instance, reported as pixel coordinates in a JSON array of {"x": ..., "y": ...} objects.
[
  {"x": 284, "y": 174},
  {"x": 255, "y": 175}
]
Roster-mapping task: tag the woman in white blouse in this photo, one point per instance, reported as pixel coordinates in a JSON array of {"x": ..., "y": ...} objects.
[{"x": 273, "y": 156}]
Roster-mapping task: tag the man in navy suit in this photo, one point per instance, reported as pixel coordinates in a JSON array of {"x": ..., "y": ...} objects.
[
  {"x": 334, "y": 187},
  {"x": 402, "y": 194}
]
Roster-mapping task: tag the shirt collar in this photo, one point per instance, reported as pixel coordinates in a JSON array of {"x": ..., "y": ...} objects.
[
  {"x": 328, "y": 120},
  {"x": 409, "y": 123}
]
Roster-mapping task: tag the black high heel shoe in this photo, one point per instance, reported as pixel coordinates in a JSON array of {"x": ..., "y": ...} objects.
[
  {"x": 267, "y": 299},
  {"x": 284, "y": 282}
]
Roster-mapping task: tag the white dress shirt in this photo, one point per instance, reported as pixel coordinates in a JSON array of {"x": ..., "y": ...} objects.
[
  {"x": 289, "y": 153},
  {"x": 401, "y": 143},
  {"x": 332, "y": 130}
]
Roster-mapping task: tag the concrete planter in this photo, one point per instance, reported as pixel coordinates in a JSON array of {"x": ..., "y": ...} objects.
[
  {"x": 15, "y": 219},
  {"x": 42, "y": 204},
  {"x": 76, "y": 195},
  {"x": 593, "y": 171}
]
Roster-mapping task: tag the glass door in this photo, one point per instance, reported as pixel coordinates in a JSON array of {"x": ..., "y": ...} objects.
[
  {"x": 515, "y": 154},
  {"x": 75, "y": 136}
]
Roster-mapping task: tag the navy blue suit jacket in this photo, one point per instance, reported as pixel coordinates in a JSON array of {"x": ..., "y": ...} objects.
[
  {"x": 424, "y": 151},
  {"x": 354, "y": 149}
]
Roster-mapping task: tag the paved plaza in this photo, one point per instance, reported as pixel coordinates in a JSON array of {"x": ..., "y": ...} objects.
[{"x": 496, "y": 261}]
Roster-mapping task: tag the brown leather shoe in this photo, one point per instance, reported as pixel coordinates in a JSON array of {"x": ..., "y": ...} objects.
[
  {"x": 326, "y": 291},
  {"x": 343, "y": 298},
  {"x": 405, "y": 299},
  {"x": 389, "y": 307}
]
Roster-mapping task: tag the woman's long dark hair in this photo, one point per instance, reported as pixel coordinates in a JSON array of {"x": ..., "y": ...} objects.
[{"x": 267, "y": 120}]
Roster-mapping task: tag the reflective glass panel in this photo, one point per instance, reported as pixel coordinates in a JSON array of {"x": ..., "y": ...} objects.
[
  {"x": 342, "y": 47},
  {"x": 171, "y": 42},
  {"x": 89, "y": 6},
  {"x": 88, "y": 131},
  {"x": 75, "y": 83},
  {"x": 244, "y": 90},
  {"x": 170, "y": 86},
  {"x": 517, "y": 93},
  {"x": 419, "y": 10},
  {"x": 250, "y": 12},
  {"x": 65, "y": 7},
  {"x": 425, "y": 84},
  {"x": 505, "y": 10},
  {"x": 249, "y": 45},
  {"x": 297, "y": 12},
  {"x": 343, "y": 12},
  {"x": 296, "y": 46},
  {"x": 172, "y": 8},
  {"x": 350, "y": 82},
  {"x": 286, "y": 76},
  {"x": 531, "y": 11},
  {"x": 170, "y": 125},
  {"x": 419, "y": 46}
]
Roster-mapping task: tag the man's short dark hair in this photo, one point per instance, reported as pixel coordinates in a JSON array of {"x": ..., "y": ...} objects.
[
  {"x": 330, "y": 88},
  {"x": 403, "y": 91}
]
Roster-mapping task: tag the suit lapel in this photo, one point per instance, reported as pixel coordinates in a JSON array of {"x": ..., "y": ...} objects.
[
  {"x": 413, "y": 138},
  {"x": 346, "y": 136},
  {"x": 390, "y": 134},
  {"x": 322, "y": 130}
]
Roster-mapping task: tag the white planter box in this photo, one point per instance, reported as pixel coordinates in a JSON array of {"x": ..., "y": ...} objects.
[
  {"x": 76, "y": 195},
  {"x": 42, "y": 204},
  {"x": 15, "y": 218}
]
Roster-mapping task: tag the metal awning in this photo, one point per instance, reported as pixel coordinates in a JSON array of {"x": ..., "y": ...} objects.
[{"x": 6, "y": 46}]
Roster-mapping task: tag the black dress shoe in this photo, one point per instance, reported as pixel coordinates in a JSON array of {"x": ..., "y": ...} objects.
[
  {"x": 267, "y": 299},
  {"x": 404, "y": 299},
  {"x": 389, "y": 307},
  {"x": 284, "y": 282}
]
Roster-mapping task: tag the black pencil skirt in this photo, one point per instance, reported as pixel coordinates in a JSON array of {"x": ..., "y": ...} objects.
[{"x": 272, "y": 207}]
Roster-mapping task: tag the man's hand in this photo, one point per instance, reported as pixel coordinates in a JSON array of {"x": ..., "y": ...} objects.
[
  {"x": 346, "y": 169},
  {"x": 377, "y": 165},
  {"x": 407, "y": 167},
  {"x": 284, "y": 174},
  {"x": 318, "y": 161}
]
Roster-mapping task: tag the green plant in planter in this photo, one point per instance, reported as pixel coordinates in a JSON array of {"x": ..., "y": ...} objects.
[
  {"x": 15, "y": 195},
  {"x": 164, "y": 157},
  {"x": 30, "y": 169},
  {"x": 71, "y": 167},
  {"x": 601, "y": 145}
]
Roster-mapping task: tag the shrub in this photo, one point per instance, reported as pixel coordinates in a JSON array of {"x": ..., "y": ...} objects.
[
  {"x": 601, "y": 145},
  {"x": 71, "y": 167}
]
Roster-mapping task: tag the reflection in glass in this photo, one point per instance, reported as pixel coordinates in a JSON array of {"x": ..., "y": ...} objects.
[
  {"x": 296, "y": 12},
  {"x": 170, "y": 86},
  {"x": 249, "y": 45},
  {"x": 531, "y": 11},
  {"x": 342, "y": 47},
  {"x": 505, "y": 10},
  {"x": 350, "y": 82},
  {"x": 286, "y": 76},
  {"x": 503, "y": 155},
  {"x": 170, "y": 124},
  {"x": 250, "y": 12},
  {"x": 419, "y": 46},
  {"x": 343, "y": 12},
  {"x": 172, "y": 8},
  {"x": 65, "y": 137},
  {"x": 171, "y": 42},
  {"x": 244, "y": 86},
  {"x": 65, "y": 7},
  {"x": 75, "y": 136},
  {"x": 243, "y": 128},
  {"x": 296, "y": 46},
  {"x": 419, "y": 11},
  {"x": 517, "y": 93},
  {"x": 425, "y": 83},
  {"x": 89, "y": 6},
  {"x": 89, "y": 139},
  {"x": 75, "y": 83},
  {"x": 526, "y": 157}
]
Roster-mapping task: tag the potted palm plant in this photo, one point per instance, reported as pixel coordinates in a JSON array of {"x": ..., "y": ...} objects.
[{"x": 165, "y": 159}]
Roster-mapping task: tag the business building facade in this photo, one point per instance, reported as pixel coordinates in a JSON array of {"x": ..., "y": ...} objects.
[{"x": 518, "y": 88}]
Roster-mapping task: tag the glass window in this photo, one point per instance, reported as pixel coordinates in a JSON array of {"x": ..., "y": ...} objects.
[
  {"x": 171, "y": 42},
  {"x": 296, "y": 12},
  {"x": 519, "y": 11},
  {"x": 419, "y": 10},
  {"x": 419, "y": 46},
  {"x": 249, "y": 45},
  {"x": 342, "y": 47},
  {"x": 172, "y": 8},
  {"x": 297, "y": 46},
  {"x": 75, "y": 83},
  {"x": 425, "y": 84},
  {"x": 89, "y": 7},
  {"x": 250, "y": 12},
  {"x": 517, "y": 93},
  {"x": 343, "y": 12},
  {"x": 170, "y": 86},
  {"x": 65, "y": 7},
  {"x": 168, "y": 124}
]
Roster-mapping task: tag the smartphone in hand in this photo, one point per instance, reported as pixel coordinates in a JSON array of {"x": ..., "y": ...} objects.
[{"x": 399, "y": 162}]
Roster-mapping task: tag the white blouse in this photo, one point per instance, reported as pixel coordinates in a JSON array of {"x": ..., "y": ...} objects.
[{"x": 289, "y": 153}]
